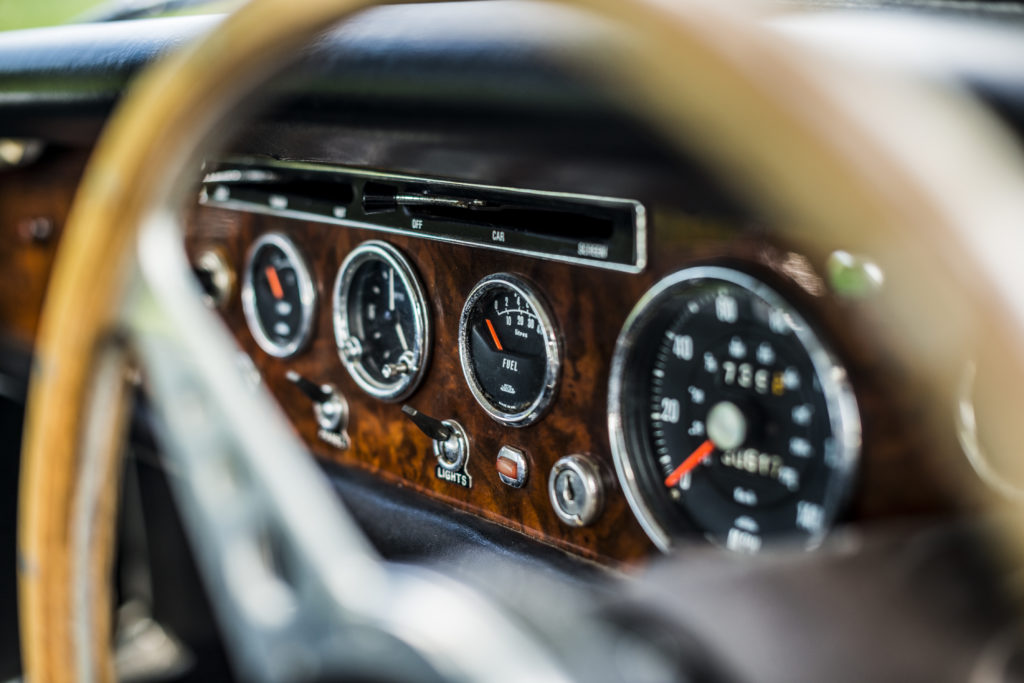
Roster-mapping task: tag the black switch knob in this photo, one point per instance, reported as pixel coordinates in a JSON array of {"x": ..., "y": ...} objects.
[
  {"x": 329, "y": 407},
  {"x": 313, "y": 391},
  {"x": 432, "y": 427},
  {"x": 451, "y": 445}
]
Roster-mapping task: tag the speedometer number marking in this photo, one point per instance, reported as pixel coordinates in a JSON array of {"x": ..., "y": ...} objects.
[{"x": 726, "y": 309}]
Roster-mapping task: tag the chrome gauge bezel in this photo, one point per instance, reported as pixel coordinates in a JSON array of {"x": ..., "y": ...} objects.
[
  {"x": 965, "y": 419},
  {"x": 844, "y": 416},
  {"x": 307, "y": 296},
  {"x": 405, "y": 383},
  {"x": 552, "y": 347}
]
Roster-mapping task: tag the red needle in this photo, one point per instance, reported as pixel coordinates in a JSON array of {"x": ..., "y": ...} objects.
[
  {"x": 275, "y": 283},
  {"x": 494, "y": 335},
  {"x": 703, "y": 451}
]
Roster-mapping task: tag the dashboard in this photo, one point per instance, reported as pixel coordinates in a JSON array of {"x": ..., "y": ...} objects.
[
  {"x": 510, "y": 323},
  {"x": 609, "y": 375},
  {"x": 542, "y": 193}
]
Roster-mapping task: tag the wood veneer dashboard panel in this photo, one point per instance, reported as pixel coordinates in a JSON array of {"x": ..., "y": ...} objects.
[
  {"x": 902, "y": 471},
  {"x": 34, "y": 203},
  {"x": 589, "y": 306}
]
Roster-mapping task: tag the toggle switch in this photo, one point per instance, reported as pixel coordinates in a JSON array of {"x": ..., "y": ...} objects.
[
  {"x": 451, "y": 446},
  {"x": 329, "y": 408}
]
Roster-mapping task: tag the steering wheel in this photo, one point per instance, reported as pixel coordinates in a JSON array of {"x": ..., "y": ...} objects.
[{"x": 708, "y": 77}]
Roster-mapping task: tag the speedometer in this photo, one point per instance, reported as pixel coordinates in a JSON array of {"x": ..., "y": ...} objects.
[{"x": 728, "y": 415}]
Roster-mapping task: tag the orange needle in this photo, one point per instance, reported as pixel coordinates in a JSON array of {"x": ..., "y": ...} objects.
[
  {"x": 275, "y": 283},
  {"x": 703, "y": 451},
  {"x": 494, "y": 335}
]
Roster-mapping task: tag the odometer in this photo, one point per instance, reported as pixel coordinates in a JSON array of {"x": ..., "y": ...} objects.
[
  {"x": 728, "y": 415},
  {"x": 509, "y": 350}
]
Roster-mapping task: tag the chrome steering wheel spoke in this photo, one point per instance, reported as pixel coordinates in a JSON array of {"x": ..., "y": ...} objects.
[{"x": 295, "y": 585}]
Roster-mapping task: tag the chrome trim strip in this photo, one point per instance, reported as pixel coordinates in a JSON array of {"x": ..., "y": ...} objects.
[{"x": 639, "y": 211}]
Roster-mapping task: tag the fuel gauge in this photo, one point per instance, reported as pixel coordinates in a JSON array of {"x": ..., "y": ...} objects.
[
  {"x": 509, "y": 350},
  {"x": 278, "y": 296}
]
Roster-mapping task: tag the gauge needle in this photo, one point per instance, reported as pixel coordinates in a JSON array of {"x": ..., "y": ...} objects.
[
  {"x": 275, "y": 282},
  {"x": 401, "y": 337},
  {"x": 695, "y": 458},
  {"x": 494, "y": 335},
  {"x": 391, "y": 289}
]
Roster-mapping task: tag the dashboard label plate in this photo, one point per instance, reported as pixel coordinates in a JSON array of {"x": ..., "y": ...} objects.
[{"x": 459, "y": 477}]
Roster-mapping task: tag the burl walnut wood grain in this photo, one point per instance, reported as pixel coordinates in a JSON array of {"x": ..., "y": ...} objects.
[
  {"x": 42, "y": 193},
  {"x": 589, "y": 306}
]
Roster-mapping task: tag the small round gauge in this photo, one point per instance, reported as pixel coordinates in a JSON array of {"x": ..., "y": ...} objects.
[
  {"x": 509, "y": 350},
  {"x": 381, "y": 324},
  {"x": 728, "y": 416},
  {"x": 278, "y": 296}
]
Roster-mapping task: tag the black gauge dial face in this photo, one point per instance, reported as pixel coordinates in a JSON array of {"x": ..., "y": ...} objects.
[
  {"x": 738, "y": 423},
  {"x": 380, "y": 320},
  {"x": 381, "y": 315},
  {"x": 509, "y": 350},
  {"x": 278, "y": 296}
]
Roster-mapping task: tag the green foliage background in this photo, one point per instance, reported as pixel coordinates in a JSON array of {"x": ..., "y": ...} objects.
[
  {"x": 29, "y": 13},
  {"x": 15, "y": 14}
]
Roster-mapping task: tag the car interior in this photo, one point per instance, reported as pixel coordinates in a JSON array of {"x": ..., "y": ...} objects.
[{"x": 508, "y": 340}]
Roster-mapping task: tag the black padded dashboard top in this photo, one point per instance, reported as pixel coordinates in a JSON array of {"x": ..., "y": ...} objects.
[
  {"x": 466, "y": 59},
  {"x": 494, "y": 56}
]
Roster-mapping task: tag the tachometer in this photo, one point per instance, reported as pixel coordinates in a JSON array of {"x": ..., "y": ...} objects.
[
  {"x": 381, "y": 324},
  {"x": 728, "y": 416},
  {"x": 278, "y": 296},
  {"x": 509, "y": 350}
]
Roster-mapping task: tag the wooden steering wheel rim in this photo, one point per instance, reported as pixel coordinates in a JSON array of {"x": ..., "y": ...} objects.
[{"x": 713, "y": 81}]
